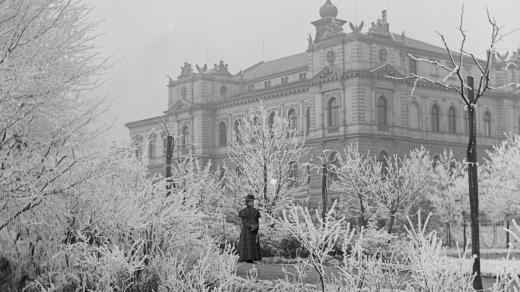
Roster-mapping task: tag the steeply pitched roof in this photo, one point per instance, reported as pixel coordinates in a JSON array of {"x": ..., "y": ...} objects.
[{"x": 275, "y": 66}]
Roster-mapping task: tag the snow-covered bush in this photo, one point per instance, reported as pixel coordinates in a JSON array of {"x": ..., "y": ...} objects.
[
  {"x": 318, "y": 235},
  {"x": 509, "y": 277},
  {"x": 428, "y": 265},
  {"x": 375, "y": 242},
  {"x": 212, "y": 270},
  {"x": 111, "y": 228}
]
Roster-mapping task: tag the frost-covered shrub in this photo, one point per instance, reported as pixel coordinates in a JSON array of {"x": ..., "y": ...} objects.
[
  {"x": 316, "y": 234},
  {"x": 509, "y": 277},
  {"x": 374, "y": 240},
  {"x": 213, "y": 270},
  {"x": 428, "y": 265},
  {"x": 107, "y": 233}
]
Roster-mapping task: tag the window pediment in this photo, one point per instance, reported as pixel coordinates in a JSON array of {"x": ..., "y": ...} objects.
[{"x": 327, "y": 74}]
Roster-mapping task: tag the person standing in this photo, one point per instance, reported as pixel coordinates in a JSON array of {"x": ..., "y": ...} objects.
[{"x": 249, "y": 245}]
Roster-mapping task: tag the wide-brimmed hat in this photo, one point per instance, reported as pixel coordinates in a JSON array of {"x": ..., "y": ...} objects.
[{"x": 250, "y": 198}]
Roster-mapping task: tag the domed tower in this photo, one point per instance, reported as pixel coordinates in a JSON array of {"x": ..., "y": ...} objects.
[
  {"x": 328, "y": 10},
  {"x": 328, "y": 26}
]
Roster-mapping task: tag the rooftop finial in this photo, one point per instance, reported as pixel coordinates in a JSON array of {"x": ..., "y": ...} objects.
[{"x": 328, "y": 10}]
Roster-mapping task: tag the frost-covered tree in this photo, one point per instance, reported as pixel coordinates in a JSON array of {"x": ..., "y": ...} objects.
[
  {"x": 403, "y": 180},
  {"x": 444, "y": 193},
  {"x": 317, "y": 234},
  {"x": 470, "y": 93},
  {"x": 268, "y": 157},
  {"x": 357, "y": 176},
  {"x": 46, "y": 59},
  {"x": 502, "y": 181}
]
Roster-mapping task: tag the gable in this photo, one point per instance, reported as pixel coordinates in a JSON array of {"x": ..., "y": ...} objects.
[
  {"x": 327, "y": 74},
  {"x": 180, "y": 106}
]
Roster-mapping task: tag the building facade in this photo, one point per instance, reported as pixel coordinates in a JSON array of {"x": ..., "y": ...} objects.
[{"x": 344, "y": 88}]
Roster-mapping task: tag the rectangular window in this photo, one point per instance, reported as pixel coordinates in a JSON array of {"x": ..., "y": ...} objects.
[
  {"x": 250, "y": 87},
  {"x": 302, "y": 76},
  {"x": 412, "y": 66},
  {"x": 267, "y": 84},
  {"x": 285, "y": 80}
]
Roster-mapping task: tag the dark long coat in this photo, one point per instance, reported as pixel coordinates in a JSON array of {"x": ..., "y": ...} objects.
[{"x": 249, "y": 246}]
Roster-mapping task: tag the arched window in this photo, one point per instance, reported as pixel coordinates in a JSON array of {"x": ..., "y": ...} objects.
[
  {"x": 184, "y": 138},
  {"x": 307, "y": 120},
  {"x": 382, "y": 118},
  {"x": 151, "y": 146},
  {"x": 222, "y": 134},
  {"x": 291, "y": 116},
  {"x": 413, "y": 116},
  {"x": 333, "y": 113},
  {"x": 238, "y": 139},
  {"x": 435, "y": 118},
  {"x": 487, "y": 123},
  {"x": 382, "y": 158},
  {"x": 452, "y": 121}
]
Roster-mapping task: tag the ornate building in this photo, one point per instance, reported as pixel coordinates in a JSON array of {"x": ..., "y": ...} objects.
[{"x": 339, "y": 91}]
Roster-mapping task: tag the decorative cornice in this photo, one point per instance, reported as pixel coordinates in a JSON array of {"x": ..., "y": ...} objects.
[
  {"x": 145, "y": 122},
  {"x": 277, "y": 74},
  {"x": 206, "y": 77},
  {"x": 251, "y": 97}
]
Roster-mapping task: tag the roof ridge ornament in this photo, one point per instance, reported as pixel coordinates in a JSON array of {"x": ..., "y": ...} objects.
[
  {"x": 221, "y": 67},
  {"x": 381, "y": 26},
  {"x": 186, "y": 69},
  {"x": 328, "y": 10},
  {"x": 328, "y": 26},
  {"x": 356, "y": 28},
  {"x": 202, "y": 69}
]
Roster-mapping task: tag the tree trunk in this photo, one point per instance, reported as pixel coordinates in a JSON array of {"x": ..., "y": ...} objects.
[
  {"x": 465, "y": 238},
  {"x": 448, "y": 235},
  {"x": 507, "y": 233},
  {"x": 362, "y": 221},
  {"x": 391, "y": 224},
  {"x": 471, "y": 154},
  {"x": 169, "y": 154},
  {"x": 324, "y": 195},
  {"x": 265, "y": 181},
  {"x": 495, "y": 234}
]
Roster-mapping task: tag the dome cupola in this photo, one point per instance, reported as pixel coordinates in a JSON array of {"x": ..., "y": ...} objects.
[{"x": 328, "y": 10}]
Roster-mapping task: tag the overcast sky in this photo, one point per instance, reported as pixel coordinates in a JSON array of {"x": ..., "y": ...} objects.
[{"x": 155, "y": 37}]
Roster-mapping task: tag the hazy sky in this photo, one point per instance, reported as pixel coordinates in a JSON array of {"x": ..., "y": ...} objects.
[{"x": 155, "y": 37}]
